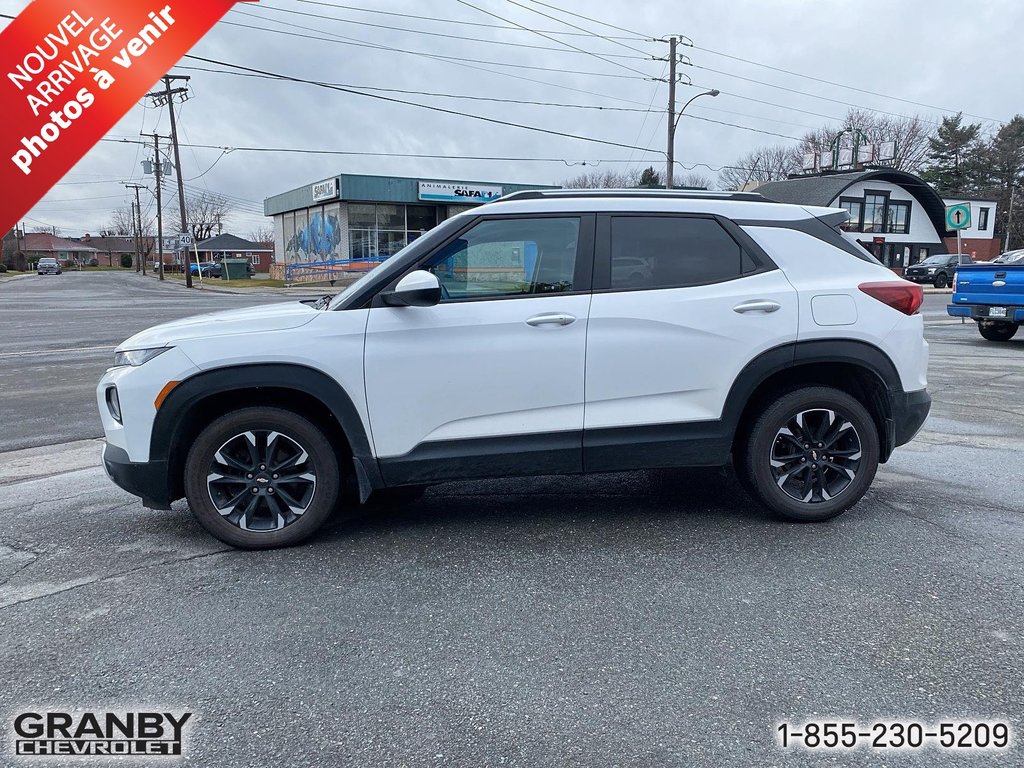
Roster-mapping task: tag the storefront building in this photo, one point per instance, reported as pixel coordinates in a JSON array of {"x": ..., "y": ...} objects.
[
  {"x": 896, "y": 215},
  {"x": 355, "y": 218}
]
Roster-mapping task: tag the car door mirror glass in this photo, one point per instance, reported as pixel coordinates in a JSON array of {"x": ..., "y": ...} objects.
[{"x": 417, "y": 289}]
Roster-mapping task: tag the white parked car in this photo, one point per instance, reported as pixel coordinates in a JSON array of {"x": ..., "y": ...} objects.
[{"x": 519, "y": 338}]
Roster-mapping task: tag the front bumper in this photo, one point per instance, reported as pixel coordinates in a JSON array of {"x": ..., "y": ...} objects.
[
  {"x": 919, "y": 278},
  {"x": 147, "y": 480}
]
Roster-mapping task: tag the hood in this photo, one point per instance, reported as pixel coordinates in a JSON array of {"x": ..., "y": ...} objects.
[{"x": 233, "y": 322}]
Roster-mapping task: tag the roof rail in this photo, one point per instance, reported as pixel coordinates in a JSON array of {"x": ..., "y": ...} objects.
[{"x": 684, "y": 194}]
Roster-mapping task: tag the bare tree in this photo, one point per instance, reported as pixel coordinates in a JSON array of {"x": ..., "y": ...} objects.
[
  {"x": 773, "y": 163},
  {"x": 122, "y": 222},
  {"x": 206, "y": 212},
  {"x": 263, "y": 234},
  {"x": 604, "y": 180},
  {"x": 909, "y": 133},
  {"x": 696, "y": 181}
]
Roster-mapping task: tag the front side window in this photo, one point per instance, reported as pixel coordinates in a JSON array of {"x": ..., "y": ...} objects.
[
  {"x": 673, "y": 251},
  {"x": 508, "y": 257}
]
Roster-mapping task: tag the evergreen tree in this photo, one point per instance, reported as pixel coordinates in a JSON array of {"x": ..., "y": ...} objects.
[
  {"x": 955, "y": 164},
  {"x": 1003, "y": 164},
  {"x": 650, "y": 177}
]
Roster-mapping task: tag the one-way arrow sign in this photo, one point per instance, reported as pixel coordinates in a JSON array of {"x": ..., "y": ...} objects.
[{"x": 958, "y": 216}]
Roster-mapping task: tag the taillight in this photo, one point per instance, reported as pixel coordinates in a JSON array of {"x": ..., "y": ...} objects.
[
  {"x": 954, "y": 281},
  {"x": 903, "y": 296}
]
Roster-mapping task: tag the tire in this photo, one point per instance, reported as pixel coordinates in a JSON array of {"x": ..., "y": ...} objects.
[
  {"x": 941, "y": 280},
  {"x": 773, "y": 459},
  {"x": 998, "y": 331},
  {"x": 239, "y": 452}
]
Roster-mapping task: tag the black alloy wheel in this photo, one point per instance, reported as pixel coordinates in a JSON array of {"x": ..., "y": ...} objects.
[
  {"x": 811, "y": 454},
  {"x": 262, "y": 477}
]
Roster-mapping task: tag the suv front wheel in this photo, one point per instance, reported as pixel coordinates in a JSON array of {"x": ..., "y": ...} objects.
[
  {"x": 261, "y": 477},
  {"x": 811, "y": 454}
]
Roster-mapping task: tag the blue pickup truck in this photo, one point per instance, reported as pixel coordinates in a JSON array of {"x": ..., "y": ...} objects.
[{"x": 992, "y": 295}]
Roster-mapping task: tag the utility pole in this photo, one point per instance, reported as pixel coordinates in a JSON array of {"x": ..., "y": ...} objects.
[
  {"x": 1009, "y": 218},
  {"x": 670, "y": 156},
  {"x": 138, "y": 226},
  {"x": 157, "y": 167},
  {"x": 675, "y": 59},
  {"x": 167, "y": 97}
]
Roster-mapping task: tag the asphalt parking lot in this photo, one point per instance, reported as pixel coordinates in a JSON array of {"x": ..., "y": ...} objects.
[{"x": 634, "y": 619}]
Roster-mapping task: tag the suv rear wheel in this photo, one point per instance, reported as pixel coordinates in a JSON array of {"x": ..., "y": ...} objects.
[
  {"x": 261, "y": 477},
  {"x": 811, "y": 454}
]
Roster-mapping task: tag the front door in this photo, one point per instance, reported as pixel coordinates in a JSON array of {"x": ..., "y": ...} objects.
[{"x": 490, "y": 381}]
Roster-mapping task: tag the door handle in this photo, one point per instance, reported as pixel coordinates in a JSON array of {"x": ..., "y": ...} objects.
[
  {"x": 757, "y": 305},
  {"x": 553, "y": 318}
]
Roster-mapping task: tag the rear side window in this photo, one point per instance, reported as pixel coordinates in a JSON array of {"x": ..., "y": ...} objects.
[{"x": 673, "y": 251}]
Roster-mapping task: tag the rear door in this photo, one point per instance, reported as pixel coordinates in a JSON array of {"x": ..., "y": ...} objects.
[
  {"x": 490, "y": 381},
  {"x": 666, "y": 342}
]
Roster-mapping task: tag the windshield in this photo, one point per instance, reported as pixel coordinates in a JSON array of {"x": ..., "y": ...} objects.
[
  {"x": 937, "y": 259},
  {"x": 47, "y": 261}
]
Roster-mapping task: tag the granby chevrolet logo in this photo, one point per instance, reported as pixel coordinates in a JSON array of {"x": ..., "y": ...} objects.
[{"x": 43, "y": 734}]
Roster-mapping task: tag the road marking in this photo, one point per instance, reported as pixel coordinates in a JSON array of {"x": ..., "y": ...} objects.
[{"x": 56, "y": 351}]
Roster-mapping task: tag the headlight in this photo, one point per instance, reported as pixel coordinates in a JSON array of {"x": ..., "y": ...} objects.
[
  {"x": 932, "y": 269},
  {"x": 137, "y": 356}
]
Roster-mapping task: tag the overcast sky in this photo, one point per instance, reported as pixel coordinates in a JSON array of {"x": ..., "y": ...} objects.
[{"x": 948, "y": 54}]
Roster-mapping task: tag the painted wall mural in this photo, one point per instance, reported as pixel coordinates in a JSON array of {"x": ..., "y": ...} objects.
[{"x": 317, "y": 240}]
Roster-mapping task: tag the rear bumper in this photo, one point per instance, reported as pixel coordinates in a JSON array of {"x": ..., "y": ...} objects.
[
  {"x": 147, "y": 480},
  {"x": 980, "y": 312},
  {"x": 909, "y": 411}
]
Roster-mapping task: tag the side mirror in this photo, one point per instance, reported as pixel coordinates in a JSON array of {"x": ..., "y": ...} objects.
[{"x": 417, "y": 289}]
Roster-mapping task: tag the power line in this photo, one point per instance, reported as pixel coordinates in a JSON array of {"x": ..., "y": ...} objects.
[
  {"x": 481, "y": 98},
  {"x": 549, "y": 37},
  {"x": 468, "y": 97},
  {"x": 595, "y": 21},
  {"x": 445, "y": 21},
  {"x": 776, "y": 69},
  {"x": 391, "y": 99},
  {"x": 581, "y": 29},
  {"x": 335, "y": 38},
  {"x": 392, "y": 28},
  {"x": 417, "y": 155}
]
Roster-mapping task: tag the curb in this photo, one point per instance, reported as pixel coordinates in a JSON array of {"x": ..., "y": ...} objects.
[
  {"x": 299, "y": 293},
  {"x": 14, "y": 277},
  {"x": 48, "y": 460}
]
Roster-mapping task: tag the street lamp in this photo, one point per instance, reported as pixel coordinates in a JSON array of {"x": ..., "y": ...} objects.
[{"x": 672, "y": 136}]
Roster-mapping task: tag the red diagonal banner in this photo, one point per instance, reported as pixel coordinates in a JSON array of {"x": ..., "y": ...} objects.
[{"x": 70, "y": 69}]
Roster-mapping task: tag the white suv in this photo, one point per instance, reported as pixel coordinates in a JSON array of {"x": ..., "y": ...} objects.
[{"x": 545, "y": 333}]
